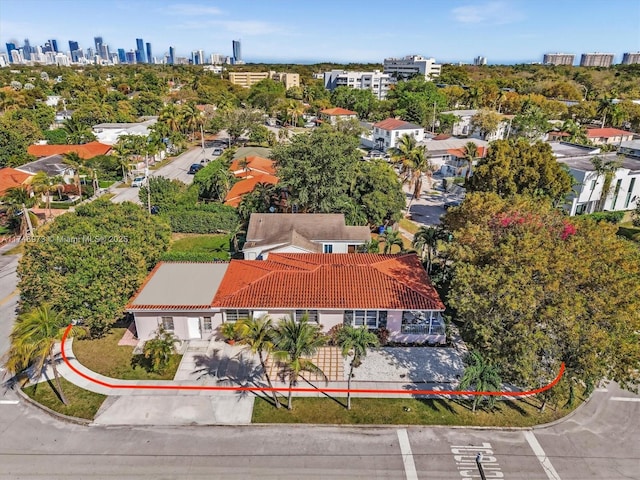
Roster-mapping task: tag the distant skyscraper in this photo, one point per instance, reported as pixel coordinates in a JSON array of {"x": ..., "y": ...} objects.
[
  {"x": 73, "y": 46},
  {"x": 237, "y": 51},
  {"x": 140, "y": 56},
  {"x": 197, "y": 57},
  {"x": 122, "y": 57},
  {"x": 480, "y": 61},
  {"x": 596, "y": 59},
  {"x": 10, "y": 48},
  {"x": 131, "y": 57},
  {"x": 54, "y": 45},
  {"x": 149, "y": 56},
  {"x": 558, "y": 58},
  {"x": 628, "y": 58},
  {"x": 98, "y": 44},
  {"x": 172, "y": 55},
  {"x": 104, "y": 52},
  {"x": 26, "y": 50}
]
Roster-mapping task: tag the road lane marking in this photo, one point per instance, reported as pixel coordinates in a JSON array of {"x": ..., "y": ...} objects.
[
  {"x": 625, "y": 399},
  {"x": 407, "y": 456},
  {"x": 9, "y": 402},
  {"x": 466, "y": 456},
  {"x": 542, "y": 457},
  {"x": 9, "y": 297}
]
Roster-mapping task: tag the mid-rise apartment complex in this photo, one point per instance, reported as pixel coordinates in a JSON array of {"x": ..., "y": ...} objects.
[
  {"x": 247, "y": 79},
  {"x": 375, "y": 81},
  {"x": 411, "y": 65},
  {"x": 596, "y": 59},
  {"x": 631, "y": 58},
  {"x": 479, "y": 61},
  {"x": 558, "y": 58}
]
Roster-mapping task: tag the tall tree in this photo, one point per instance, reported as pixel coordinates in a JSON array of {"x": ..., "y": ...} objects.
[
  {"x": 257, "y": 335},
  {"x": 391, "y": 238},
  {"x": 426, "y": 241},
  {"x": 295, "y": 342},
  {"x": 486, "y": 121},
  {"x": 354, "y": 343},
  {"x": 470, "y": 152},
  {"x": 607, "y": 170},
  {"x": 77, "y": 131},
  {"x": 33, "y": 337},
  {"x": 75, "y": 162}
]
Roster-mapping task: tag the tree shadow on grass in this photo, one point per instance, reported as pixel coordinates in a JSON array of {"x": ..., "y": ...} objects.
[
  {"x": 513, "y": 404},
  {"x": 437, "y": 404}
]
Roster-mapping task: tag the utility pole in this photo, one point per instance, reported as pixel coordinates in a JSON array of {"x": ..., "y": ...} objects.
[
  {"x": 204, "y": 155},
  {"x": 433, "y": 125}
]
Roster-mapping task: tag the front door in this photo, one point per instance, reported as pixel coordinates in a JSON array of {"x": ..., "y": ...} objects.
[
  {"x": 206, "y": 327},
  {"x": 193, "y": 327}
]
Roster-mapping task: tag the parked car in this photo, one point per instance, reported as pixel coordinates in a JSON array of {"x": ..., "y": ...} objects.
[
  {"x": 139, "y": 182},
  {"x": 193, "y": 169},
  {"x": 309, "y": 124},
  {"x": 217, "y": 152}
]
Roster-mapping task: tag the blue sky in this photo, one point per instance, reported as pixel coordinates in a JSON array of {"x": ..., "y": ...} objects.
[{"x": 504, "y": 31}]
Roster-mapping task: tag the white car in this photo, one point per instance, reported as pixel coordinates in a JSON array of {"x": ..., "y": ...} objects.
[{"x": 139, "y": 182}]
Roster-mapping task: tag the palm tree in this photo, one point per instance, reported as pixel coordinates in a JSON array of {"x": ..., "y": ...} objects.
[
  {"x": 354, "y": 342},
  {"x": 77, "y": 132},
  {"x": 122, "y": 154},
  {"x": 170, "y": 115},
  {"x": 426, "y": 241},
  {"x": 295, "y": 341},
  {"x": 577, "y": 133},
  {"x": 482, "y": 376},
  {"x": 401, "y": 154},
  {"x": 33, "y": 337},
  {"x": 391, "y": 238},
  {"x": 257, "y": 335},
  {"x": 604, "y": 107},
  {"x": 470, "y": 152},
  {"x": 234, "y": 236},
  {"x": 607, "y": 169},
  {"x": 74, "y": 161},
  {"x": 42, "y": 184},
  {"x": 192, "y": 118}
]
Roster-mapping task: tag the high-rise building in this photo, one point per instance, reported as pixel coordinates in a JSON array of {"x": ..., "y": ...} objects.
[
  {"x": 596, "y": 59},
  {"x": 628, "y": 58},
  {"x": 172, "y": 55},
  {"x": 217, "y": 59},
  {"x": 237, "y": 52},
  {"x": 197, "y": 57},
  {"x": 97, "y": 41},
  {"x": 26, "y": 50},
  {"x": 558, "y": 58},
  {"x": 149, "y": 56},
  {"x": 11, "y": 47},
  {"x": 104, "y": 52},
  {"x": 140, "y": 56},
  {"x": 131, "y": 56},
  {"x": 480, "y": 61},
  {"x": 73, "y": 46},
  {"x": 54, "y": 45},
  {"x": 122, "y": 57},
  {"x": 403, "y": 68}
]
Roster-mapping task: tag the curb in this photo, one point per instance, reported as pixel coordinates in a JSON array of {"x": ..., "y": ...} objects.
[{"x": 65, "y": 418}]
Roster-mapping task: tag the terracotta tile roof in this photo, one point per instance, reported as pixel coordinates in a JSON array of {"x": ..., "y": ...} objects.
[
  {"x": 332, "y": 281},
  {"x": 459, "y": 152},
  {"x": 396, "y": 124},
  {"x": 606, "y": 132},
  {"x": 254, "y": 163},
  {"x": 85, "y": 151},
  {"x": 11, "y": 178},
  {"x": 337, "y": 111},
  {"x": 245, "y": 186},
  {"x": 441, "y": 136}
]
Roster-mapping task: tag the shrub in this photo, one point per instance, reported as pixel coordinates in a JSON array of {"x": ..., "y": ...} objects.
[
  {"x": 194, "y": 256},
  {"x": 202, "y": 221},
  {"x": 332, "y": 335},
  {"x": 383, "y": 336},
  {"x": 609, "y": 217},
  {"x": 159, "y": 350}
]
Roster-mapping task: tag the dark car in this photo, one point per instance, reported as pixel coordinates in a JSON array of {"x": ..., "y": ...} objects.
[{"x": 193, "y": 169}]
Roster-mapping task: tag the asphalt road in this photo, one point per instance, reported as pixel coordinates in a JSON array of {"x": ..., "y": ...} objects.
[{"x": 176, "y": 169}]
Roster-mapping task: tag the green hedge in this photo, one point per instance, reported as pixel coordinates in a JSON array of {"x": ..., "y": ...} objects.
[
  {"x": 194, "y": 256},
  {"x": 609, "y": 217},
  {"x": 63, "y": 205},
  {"x": 202, "y": 221}
]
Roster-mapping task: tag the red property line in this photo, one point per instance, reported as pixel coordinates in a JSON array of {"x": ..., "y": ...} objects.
[{"x": 305, "y": 389}]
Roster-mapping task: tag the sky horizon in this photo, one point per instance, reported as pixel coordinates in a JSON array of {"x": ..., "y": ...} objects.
[{"x": 288, "y": 31}]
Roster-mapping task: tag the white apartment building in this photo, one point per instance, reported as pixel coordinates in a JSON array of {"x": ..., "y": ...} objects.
[
  {"x": 464, "y": 128},
  {"x": 403, "y": 68},
  {"x": 375, "y": 81},
  {"x": 387, "y": 133}
]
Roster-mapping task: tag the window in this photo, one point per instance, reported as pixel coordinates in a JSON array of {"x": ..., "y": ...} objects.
[
  {"x": 615, "y": 195},
  {"x": 422, "y": 323},
  {"x": 235, "y": 315},
  {"x": 630, "y": 192},
  {"x": 327, "y": 248},
  {"x": 207, "y": 326},
  {"x": 312, "y": 315},
  {"x": 366, "y": 318},
  {"x": 167, "y": 324}
]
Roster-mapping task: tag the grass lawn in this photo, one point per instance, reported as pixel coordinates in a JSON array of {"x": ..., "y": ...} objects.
[
  {"x": 401, "y": 411},
  {"x": 82, "y": 403},
  {"x": 395, "y": 248},
  {"x": 104, "y": 356},
  {"x": 107, "y": 196},
  {"x": 216, "y": 245},
  {"x": 408, "y": 225}
]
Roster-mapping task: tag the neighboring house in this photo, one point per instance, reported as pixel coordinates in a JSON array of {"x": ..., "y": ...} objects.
[
  {"x": 12, "y": 178},
  {"x": 301, "y": 233},
  {"x": 109, "y": 133},
  {"x": 597, "y": 136},
  {"x": 372, "y": 291},
  {"x": 52, "y": 165},
  {"x": 624, "y": 192},
  {"x": 630, "y": 148},
  {"x": 84, "y": 151},
  {"x": 446, "y": 153},
  {"x": 335, "y": 115},
  {"x": 387, "y": 133},
  {"x": 464, "y": 128},
  {"x": 251, "y": 170}
]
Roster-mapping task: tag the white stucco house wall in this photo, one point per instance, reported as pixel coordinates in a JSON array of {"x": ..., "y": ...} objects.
[{"x": 387, "y": 133}]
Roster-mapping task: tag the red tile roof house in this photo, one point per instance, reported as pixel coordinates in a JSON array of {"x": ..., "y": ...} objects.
[
  {"x": 84, "y": 151},
  {"x": 366, "y": 290},
  {"x": 335, "y": 115},
  {"x": 598, "y": 136},
  {"x": 387, "y": 133},
  {"x": 12, "y": 178},
  {"x": 252, "y": 170}
]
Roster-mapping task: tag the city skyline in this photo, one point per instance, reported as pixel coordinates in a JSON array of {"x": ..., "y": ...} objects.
[{"x": 287, "y": 31}]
